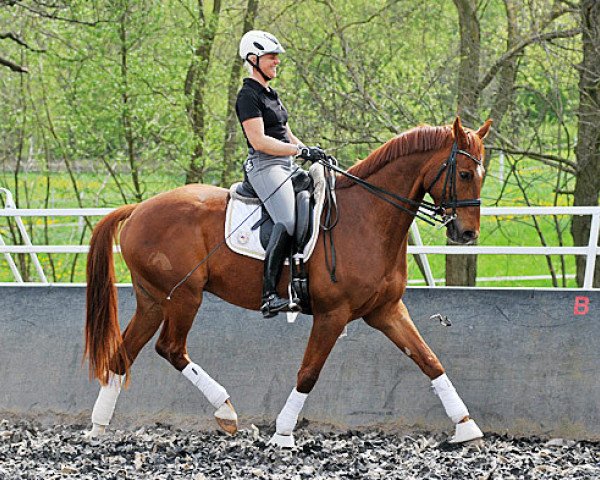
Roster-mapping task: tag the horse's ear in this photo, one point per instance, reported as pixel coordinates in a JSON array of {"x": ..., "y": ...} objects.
[
  {"x": 484, "y": 129},
  {"x": 459, "y": 134}
]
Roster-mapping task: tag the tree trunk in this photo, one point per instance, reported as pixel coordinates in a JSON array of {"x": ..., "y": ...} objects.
[
  {"x": 195, "y": 84},
  {"x": 506, "y": 78},
  {"x": 462, "y": 269},
  {"x": 468, "y": 73},
  {"x": 231, "y": 123},
  {"x": 126, "y": 106},
  {"x": 587, "y": 150}
]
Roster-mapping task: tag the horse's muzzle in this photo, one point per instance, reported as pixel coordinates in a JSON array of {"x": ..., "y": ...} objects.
[{"x": 458, "y": 235}]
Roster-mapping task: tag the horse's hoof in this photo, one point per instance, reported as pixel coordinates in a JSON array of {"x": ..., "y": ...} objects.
[
  {"x": 96, "y": 431},
  {"x": 227, "y": 418},
  {"x": 282, "y": 441},
  {"x": 466, "y": 432}
]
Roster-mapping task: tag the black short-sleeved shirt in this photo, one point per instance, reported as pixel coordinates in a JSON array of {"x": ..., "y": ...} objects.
[{"x": 254, "y": 101}]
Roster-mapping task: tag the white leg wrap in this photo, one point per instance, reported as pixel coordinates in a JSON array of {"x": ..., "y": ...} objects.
[
  {"x": 107, "y": 399},
  {"x": 454, "y": 406},
  {"x": 213, "y": 391},
  {"x": 287, "y": 418}
]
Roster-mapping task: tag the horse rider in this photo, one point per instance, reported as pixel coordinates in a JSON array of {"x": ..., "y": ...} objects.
[{"x": 271, "y": 149}]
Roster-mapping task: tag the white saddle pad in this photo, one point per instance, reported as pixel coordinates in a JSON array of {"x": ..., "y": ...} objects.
[{"x": 243, "y": 213}]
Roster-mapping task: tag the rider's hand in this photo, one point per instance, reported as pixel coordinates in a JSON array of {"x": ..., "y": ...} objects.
[{"x": 311, "y": 154}]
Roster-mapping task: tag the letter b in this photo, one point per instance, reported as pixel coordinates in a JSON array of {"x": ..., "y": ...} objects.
[{"x": 582, "y": 306}]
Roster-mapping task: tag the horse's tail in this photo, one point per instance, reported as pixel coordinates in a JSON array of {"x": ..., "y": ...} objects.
[{"x": 102, "y": 332}]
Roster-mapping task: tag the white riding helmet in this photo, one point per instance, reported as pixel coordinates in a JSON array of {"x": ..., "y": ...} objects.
[{"x": 259, "y": 43}]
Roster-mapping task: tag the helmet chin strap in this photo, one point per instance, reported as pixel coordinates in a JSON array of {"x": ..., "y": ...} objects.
[{"x": 255, "y": 65}]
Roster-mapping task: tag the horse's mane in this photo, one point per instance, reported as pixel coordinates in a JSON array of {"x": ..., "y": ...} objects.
[{"x": 415, "y": 140}]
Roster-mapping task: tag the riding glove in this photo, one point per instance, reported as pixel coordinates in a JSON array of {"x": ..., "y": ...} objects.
[{"x": 312, "y": 154}]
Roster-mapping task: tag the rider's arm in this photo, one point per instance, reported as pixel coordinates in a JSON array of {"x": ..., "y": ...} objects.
[{"x": 255, "y": 132}]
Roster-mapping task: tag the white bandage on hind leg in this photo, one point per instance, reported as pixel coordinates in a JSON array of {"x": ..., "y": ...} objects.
[
  {"x": 212, "y": 390},
  {"x": 454, "y": 406},
  {"x": 107, "y": 399},
  {"x": 288, "y": 417}
]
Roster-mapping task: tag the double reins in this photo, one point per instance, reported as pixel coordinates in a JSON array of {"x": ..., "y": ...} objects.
[
  {"x": 427, "y": 211},
  {"x": 430, "y": 215}
]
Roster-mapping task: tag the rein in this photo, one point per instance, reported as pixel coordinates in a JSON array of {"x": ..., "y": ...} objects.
[
  {"x": 433, "y": 213},
  {"x": 430, "y": 217}
]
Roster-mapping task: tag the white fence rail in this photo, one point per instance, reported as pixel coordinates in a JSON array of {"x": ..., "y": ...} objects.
[{"x": 591, "y": 251}]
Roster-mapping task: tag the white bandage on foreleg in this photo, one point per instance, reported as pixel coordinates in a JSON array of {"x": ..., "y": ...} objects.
[
  {"x": 107, "y": 399},
  {"x": 212, "y": 390},
  {"x": 288, "y": 417},
  {"x": 454, "y": 406}
]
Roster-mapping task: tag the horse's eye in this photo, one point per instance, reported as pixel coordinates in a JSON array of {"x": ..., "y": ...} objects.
[{"x": 466, "y": 175}]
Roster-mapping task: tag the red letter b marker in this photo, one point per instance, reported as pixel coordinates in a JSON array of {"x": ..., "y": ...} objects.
[{"x": 582, "y": 306}]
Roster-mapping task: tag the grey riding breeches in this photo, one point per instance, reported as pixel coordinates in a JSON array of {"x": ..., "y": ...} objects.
[{"x": 266, "y": 173}]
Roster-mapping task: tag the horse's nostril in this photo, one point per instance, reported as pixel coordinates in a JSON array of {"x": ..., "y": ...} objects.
[{"x": 469, "y": 235}]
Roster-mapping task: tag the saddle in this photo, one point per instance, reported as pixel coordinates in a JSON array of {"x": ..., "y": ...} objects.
[
  {"x": 248, "y": 226},
  {"x": 303, "y": 190}
]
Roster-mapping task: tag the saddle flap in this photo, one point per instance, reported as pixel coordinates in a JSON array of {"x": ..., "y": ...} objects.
[
  {"x": 303, "y": 220},
  {"x": 302, "y": 229},
  {"x": 303, "y": 189}
]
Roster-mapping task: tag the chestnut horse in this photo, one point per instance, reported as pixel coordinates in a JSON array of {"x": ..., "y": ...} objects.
[{"x": 164, "y": 237}]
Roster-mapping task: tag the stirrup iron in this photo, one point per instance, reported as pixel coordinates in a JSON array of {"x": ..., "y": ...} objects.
[
  {"x": 268, "y": 311},
  {"x": 294, "y": 300}
]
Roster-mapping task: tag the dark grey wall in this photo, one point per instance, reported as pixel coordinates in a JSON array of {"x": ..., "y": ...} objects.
[{"x": 522, "y": 360}]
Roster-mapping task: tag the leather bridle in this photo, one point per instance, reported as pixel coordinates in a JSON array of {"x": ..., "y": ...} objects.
[
  {"x": 449, "y": 198},
  {"x": 426, "y": 211}
]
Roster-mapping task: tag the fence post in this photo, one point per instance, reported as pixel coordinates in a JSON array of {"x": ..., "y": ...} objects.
[
  {"x": 38, "y": 266},
  {"x": 7, "y": 256},
  {"x": 423, "y": 256},
  {"x": 590, "y": 264},
  {"x": 11, "y": 263}
]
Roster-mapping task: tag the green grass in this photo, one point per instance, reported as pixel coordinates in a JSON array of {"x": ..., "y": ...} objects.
[
  {"x": 100, "y": 191},
  {"x": 539, "y": 184},
  {"x": 502, "y": 231},
  {"x": 95, "y": 191}
]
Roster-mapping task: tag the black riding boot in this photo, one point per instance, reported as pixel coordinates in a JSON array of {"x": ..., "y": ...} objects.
[{"x": 277, "y": 249}]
